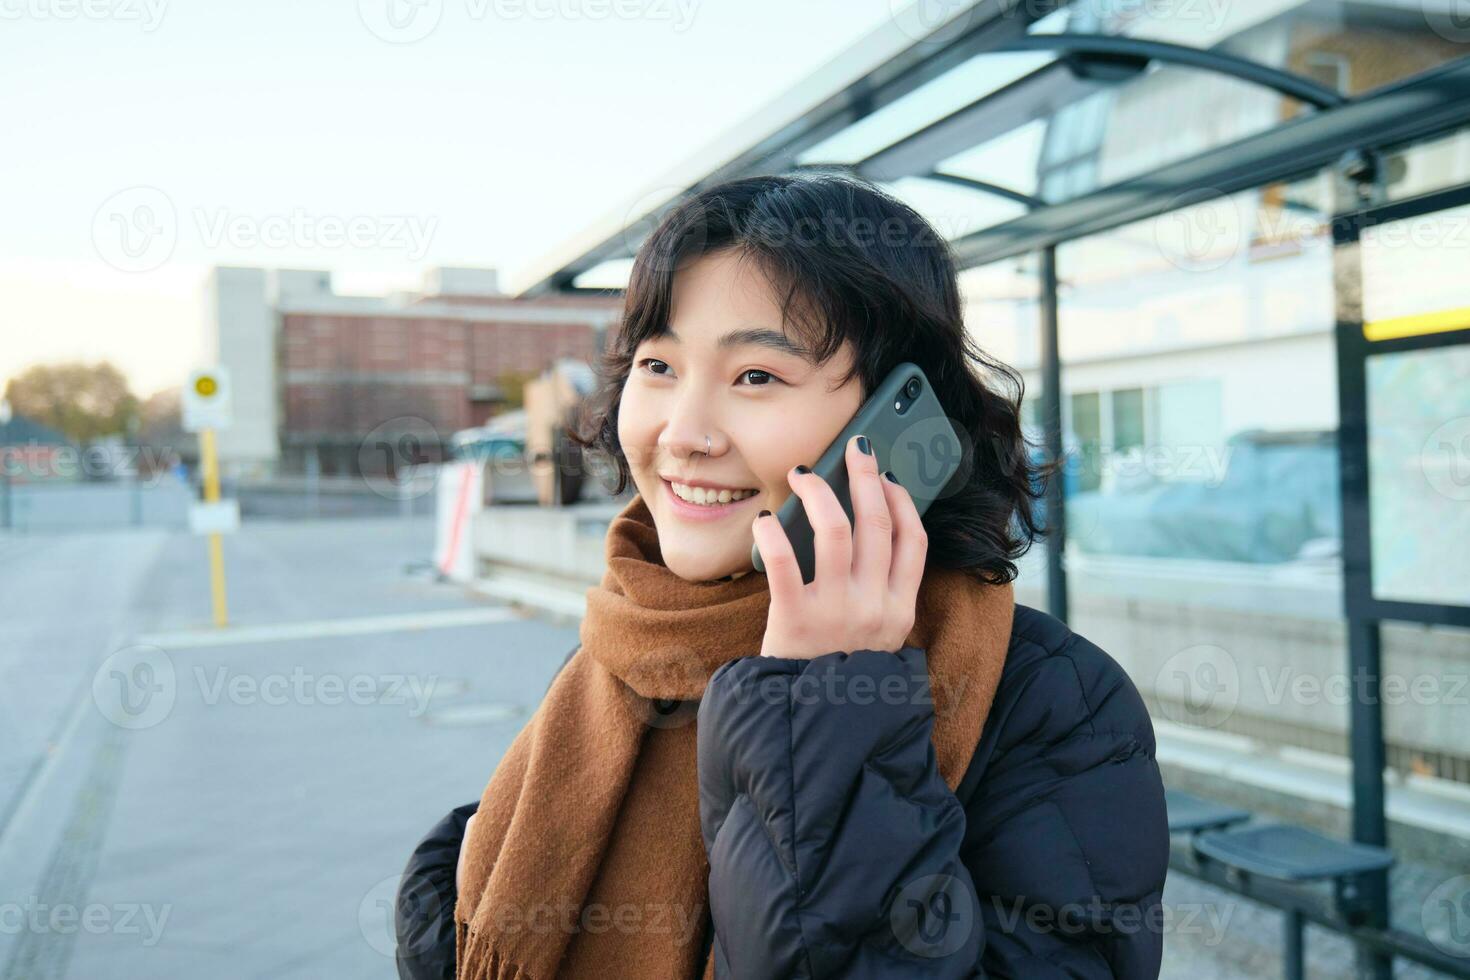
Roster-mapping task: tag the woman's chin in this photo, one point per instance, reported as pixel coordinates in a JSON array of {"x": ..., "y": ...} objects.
[{"x": 693, "y": 570}]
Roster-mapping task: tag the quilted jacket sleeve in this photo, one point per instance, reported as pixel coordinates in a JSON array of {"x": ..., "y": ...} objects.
[
  {"x": 1067, "y": 838},
  {"x": 837, "y": 850},
  {"x": 833, "y": 842}
]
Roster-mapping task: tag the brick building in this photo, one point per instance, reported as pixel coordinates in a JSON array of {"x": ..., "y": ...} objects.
[{"x": 315, "y": 373}]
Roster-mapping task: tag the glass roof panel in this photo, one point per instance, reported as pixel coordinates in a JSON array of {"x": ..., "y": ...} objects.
[
  {"x": 954, "y": 211},
  {"x": 1009, "y": 161},
  {"x": 954, "y": 89},
  {"x": 612, "y": 274}
]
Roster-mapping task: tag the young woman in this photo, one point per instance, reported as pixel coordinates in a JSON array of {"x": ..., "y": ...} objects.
[{"x": 893, "y": 771}]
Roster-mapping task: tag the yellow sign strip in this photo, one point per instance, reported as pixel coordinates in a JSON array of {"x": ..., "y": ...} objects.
[
  {"x": 1419, "y": 323},
  {"x": 210, "y": 461}
]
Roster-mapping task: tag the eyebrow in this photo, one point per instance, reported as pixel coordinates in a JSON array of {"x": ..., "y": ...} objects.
[{"x": 756, "y": 337}]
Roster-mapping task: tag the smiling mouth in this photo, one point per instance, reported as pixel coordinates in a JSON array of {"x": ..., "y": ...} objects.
[{"x": 712, "y": 505}]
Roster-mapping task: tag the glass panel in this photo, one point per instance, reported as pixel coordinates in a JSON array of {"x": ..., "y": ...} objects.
[
  {"x": 1002, "y": 310},
  {"x": 1084, "y": 433},
  {"x": 1419, "y": 474},
  {"x": 1414, "y": 274},
  {"x": 1428, "y": 166},
  {"x": 1252, "y": 266},
  {"x": 1002, "y": 313},
  {"x": 1199, "y": 360},
  {"x": 1127, "y": 418}
]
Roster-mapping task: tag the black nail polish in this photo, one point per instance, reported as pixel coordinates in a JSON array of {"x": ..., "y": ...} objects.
[
  {"x": 803, "y": 468},
  {"x": 863, "y": 447},
  {"x": 890, "y": 477},
  {"x": 764, "y": 513}
]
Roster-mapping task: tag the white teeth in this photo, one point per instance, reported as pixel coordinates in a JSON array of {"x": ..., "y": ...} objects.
[{"x": 699, "y": 495}]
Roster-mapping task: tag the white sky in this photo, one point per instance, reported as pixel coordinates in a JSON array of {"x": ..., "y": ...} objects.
[{"x": 499, "y": 134}]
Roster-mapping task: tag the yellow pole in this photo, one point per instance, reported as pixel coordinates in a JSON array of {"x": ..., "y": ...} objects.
[{"x": 216, "y": 549}]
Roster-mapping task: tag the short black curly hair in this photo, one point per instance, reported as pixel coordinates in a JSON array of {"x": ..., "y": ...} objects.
[{"x": 854, "y": 264}]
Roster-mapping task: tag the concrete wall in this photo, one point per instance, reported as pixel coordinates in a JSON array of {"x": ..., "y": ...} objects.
[{"x": 240, "y": 334}]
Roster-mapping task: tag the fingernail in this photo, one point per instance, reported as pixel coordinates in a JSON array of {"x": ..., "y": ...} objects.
[
  {"x": 764, "y": 513},
  {"x": 890, "y": 476},
  {"x": 803, "y": 468},
  {"x": 863, "y": 447}
]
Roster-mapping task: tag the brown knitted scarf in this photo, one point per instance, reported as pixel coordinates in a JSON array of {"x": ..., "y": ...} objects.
[{"x": 585, "y": 859}]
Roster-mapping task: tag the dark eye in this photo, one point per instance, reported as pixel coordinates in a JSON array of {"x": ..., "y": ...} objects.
[
  {"x": 765, "y": 374},
  {"x": 652, "y": 360}
]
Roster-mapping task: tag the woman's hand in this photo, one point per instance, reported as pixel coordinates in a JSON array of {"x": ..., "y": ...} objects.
[{"x": 866, "y": 586}]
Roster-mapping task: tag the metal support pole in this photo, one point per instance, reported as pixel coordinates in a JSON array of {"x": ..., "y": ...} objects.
[
  {"x": 313, "y": 481},
  {"x": 1051, "y": 414},
  {"x": 1292, "y": 950},
  {"x": 1368, "y": 757}
]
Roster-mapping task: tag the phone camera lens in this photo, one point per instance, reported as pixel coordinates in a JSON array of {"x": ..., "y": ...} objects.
[{"x": 912, "y": 388}]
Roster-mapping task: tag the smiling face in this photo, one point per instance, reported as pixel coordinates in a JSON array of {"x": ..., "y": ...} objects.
[{"x": 726, "y": 369}]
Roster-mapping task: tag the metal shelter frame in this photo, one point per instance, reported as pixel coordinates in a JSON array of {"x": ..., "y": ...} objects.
[{"x": 1347, "y": 135}]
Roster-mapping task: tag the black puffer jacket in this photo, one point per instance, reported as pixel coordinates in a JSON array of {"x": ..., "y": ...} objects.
[{"x": 837, "y": 850}]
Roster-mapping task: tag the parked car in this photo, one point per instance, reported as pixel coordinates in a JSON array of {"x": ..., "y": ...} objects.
[{"x": 1277, "y": 501}]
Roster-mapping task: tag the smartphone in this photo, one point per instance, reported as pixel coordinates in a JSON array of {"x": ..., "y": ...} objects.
[{"x": 910, "y": 434}]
